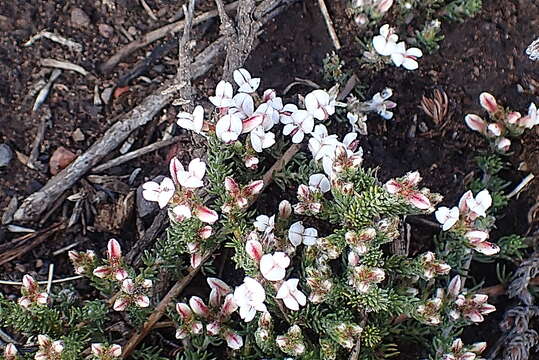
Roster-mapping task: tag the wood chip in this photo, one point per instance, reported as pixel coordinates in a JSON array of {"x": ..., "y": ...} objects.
[
  {"x": 75, "y": 46},
  {"x": 65, "y": 65}
]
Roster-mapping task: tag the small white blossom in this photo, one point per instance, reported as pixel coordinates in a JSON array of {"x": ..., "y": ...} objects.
[
  {"x": 246, "y": 83},
  {"x": 160, "y": 193},
  {"x": 320, "y": 104},
  {"x": 301, "y": 122},
  {"x": 273, "y": 267},
  {"x": 386, "y": 42},
  {"x": 291, "y": 296},
  {"x": 194, "y": 121},
  {"x": 298, "y": 234},
  {"x": 320, "y": 182},
  {"x": 406, "y": 58},
  {"x": 223, "y": 95},
  {"x": 447, "y": 217},
  {"x": 228, "y": 128},
  {"x": 261, "y": 140},
  {"x": 250, "y": 297}
]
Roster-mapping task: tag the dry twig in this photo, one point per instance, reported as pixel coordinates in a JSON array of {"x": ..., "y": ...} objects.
[
  {"x": 329, "y": 24},
  {"x": 135, "y": 154},
  {"x": 64, "y": 65}
]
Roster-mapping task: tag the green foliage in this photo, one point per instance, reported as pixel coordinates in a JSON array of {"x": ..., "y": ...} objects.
[
  {"x": 459, "y": 10},
  {"x": 333, "y": 69}
]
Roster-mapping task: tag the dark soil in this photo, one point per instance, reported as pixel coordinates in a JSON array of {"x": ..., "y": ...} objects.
[{"x": 485, "y": 53}]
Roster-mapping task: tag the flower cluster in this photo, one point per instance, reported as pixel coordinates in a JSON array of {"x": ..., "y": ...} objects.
[
  {"x": 197, "y": 316},
  {"x": 456, "y": 304},
  {"x": 237, "y": 115},
  {"x": 104, "y": 352},
  {"x": 379, "y": 104},
  {"x": 48, "y": 349},
  {"x": 460, "y": 352},
  {"x": 31, "y": 293},
  {"x": 505, "y": 122},
  {"x": 387, "y": 44},
  {"x": 178, "y": 192},
  {"x": 406, "y": 188},
  {"x": 463, "y": 219},
  {"x": 132, "y": 291}
]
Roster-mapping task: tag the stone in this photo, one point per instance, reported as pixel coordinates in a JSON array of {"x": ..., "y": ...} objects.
[
  {"x": 79, "y": 18},
  {"x": 105, "y": 30},
  {"x": 6, "y": 154},
  {"x": 60, "y": 159},
  {"x": 78, "y": 135}
]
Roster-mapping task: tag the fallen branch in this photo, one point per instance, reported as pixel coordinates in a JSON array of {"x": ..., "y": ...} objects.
[
  {"x": 37, "y": 203},
  {"x": 500, "y": 289},
  {"x": 134, "y": 154},
  {"x": 155, "y": 35}
]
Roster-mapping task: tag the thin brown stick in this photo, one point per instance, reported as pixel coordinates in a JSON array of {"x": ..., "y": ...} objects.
[
  {"x": 32, "y": 159},
  {"x": 329, "y": 24},
  {"x": 40, "y": 237},
  {"x": 134, "y": 154},
  {"x": 155, "y": 35}
]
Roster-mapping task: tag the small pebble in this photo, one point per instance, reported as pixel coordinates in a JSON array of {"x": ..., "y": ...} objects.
[
  {"x": 79, "y": 18},
  {"x": 106, "y": 95},
  {"x": 39, "y": 263},
  {"x": 60, "y": 159},
  {"x": 105, "y": 30},
  {"x": 78, "y": 135},
  {"x": 6, "y": 154}
]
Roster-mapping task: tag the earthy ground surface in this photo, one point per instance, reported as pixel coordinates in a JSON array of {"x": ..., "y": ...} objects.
[{"x": 485, "y": 53}]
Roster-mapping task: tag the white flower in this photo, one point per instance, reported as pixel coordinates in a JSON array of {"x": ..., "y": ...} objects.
[
  {"x": 273, "y": 267},
  {"x": 264, "y": 223},
  {"x": 298, "y": 234},
  {"x": 320, "y": 182},
  {"x": 380, "y": 103},
  {"x": 244, "y": 105},
  {"x": 406, "y": 57},
  {"x": 194, "y": 121},
  {"x": 531, "y": 119},
  {"x": 261, "y": 140},
  {"x": 533, "y": 50},
  {"x": 386, "y": 42},
  {"x": 228, "y": 128},
  {"x": 447, "y": 217},
  {"x": 319, "y": 104},
  {"x": 321, "y": 144},
  {"x": 247, "y": 84},
  {"x": 250, "y": 297},
  {"x": 480, "y": 204},
  {"x": 301, "y": 122},
  {"x": 290, "y": 294},
  {"x": 190, "y": 179},
  {"x": 270, "y": 109},
  {"x": 358, "y": 122},
  {"x": 223, "y": 95},
  {"x": 161, "y": 193}
]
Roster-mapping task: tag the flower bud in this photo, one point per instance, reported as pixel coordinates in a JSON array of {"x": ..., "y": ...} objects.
[{"x": 285, "y": 209}]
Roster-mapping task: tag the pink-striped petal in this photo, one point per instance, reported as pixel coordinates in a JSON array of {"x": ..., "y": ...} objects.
[
  {"x": 254, "y": 188},
  {"x": 205, "y": 214},
  {"x": 488, "y": 102},
  {"x": 419, "y": 200},
  {"x": 198, "y": 306},
  {"x": 184, "y": 310},
  {"x": 476, "y": 123},
  {"x": 114, "y": 250}
]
